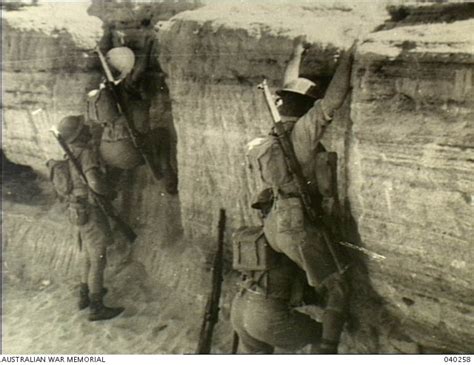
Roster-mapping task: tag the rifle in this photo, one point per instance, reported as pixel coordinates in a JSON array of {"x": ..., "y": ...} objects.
[
  {"x": 119, "y": 97},
  {"x": 295, "y": 169},
  {"x": 101, "y": 202},
  {"x": 211, "y": 315}
]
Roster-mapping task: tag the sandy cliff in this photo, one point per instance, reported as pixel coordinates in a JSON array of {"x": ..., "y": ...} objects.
[
  {"x": 404, "y": 143},
  {"x": 47, "y": 71},
  {"x": 410, "y": 178},
  {"x": 404, "y": 139}
]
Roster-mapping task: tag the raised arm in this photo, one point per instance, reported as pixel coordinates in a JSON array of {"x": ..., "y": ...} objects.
[
  {"x": 292, "y": 71},
  {"x": 340, "y": 83},
  {"x": 310, "y": 128},
  {"x": 94, "y": 175}
]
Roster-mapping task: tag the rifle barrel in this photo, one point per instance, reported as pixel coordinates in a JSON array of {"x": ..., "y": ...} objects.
[{"x": 211, "y": 314}]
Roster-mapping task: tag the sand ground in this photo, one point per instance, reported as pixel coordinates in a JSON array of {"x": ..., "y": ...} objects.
[{"x": 45, "y": 320}]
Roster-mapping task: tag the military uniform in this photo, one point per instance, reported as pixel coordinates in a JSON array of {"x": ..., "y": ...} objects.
[
  {"x": 89, "y": 219},
  {"x": 262, "y": 312},
  {"x": 95, "y": 234},
  {"x": 287, "y": 227}
]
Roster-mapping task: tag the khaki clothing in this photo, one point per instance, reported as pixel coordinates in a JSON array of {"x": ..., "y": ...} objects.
[
  {"x": 286, "y": 227},
  {"x": 283, "y": 281},
  {"x": 265, "y": 323},
  {"x": 88, "y": 160},
  {"x": 289, "y": 230},
  {"x": 95, "y": 234},
  {"x": 299, "y": 240},
  {"x": 306, "y": 135},
  {"x": 262, "y": 313}
]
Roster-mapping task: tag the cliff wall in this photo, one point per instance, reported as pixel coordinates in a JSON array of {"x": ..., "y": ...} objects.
[
  {"x": 48, "y": 67},
  {"x": 404, "y": 141},
  {"x": 410, "y": 176}
]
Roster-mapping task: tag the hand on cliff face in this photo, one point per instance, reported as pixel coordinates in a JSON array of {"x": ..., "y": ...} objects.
[
  {"x": 340, "y": 83},
  {"x": 349, "y": 53},
  {"x": 300, "y": 45}
]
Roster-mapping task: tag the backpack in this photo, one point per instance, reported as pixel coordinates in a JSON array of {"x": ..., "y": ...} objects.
[
  {"x": 60, "y": 176},
  {"x": 267, "y": 160}
]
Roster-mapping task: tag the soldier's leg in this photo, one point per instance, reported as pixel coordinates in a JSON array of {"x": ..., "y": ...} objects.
[
  {"x": 267, "y": 323},
  {"x": 84, "y": 287},
  {"x": 247, "y": 343},
  {"x": 97, "y": 267},
  {"x": 335, "y": 313},
  {"x": 288, "y": 329},
  {"x": 98, "y": 236}
]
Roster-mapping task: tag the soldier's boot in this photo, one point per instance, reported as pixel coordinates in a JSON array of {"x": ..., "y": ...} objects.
[
  {"x": 84, "y": 300},
  {"x": 333, "y": 322},
  {"x": 99, "y": 312}
]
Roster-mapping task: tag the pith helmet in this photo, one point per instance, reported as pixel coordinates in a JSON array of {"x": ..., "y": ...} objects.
[
  {"x": 301, "y": 86},
  {"x": 70, "y": 127},
  {"x": 122, "y": 59}
]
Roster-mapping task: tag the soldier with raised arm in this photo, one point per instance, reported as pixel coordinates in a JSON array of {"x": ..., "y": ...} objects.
[{"x": 292, "y": 236}]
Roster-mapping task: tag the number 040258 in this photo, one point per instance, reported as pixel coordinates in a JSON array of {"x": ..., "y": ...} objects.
[{"x": 457, "y": 359}]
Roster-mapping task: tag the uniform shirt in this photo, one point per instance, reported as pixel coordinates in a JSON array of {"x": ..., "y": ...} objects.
[
  {"x": 286, "y": 227},
  {"x": 306, "y": 135}
]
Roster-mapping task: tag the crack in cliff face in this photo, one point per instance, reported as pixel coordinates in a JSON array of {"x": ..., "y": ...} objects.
[{"x": 402, "y": 15}]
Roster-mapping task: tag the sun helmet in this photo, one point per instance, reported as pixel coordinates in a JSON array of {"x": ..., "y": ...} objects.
[
  {"x": 301, "y": 86},
  {"x": 122, "y": 59},
  {"x": 70, "y": 127}
]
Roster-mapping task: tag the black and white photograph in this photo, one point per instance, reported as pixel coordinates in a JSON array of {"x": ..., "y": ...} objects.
[{"x": 190, "y": 177}]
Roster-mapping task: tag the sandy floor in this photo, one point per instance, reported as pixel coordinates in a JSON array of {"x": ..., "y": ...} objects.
[{"x": 45, "y": 320}]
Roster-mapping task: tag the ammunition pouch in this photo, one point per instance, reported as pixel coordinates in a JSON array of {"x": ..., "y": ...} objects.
[
  {"x": 78, "y": 212},
  {"x": 251, "y": 251}
]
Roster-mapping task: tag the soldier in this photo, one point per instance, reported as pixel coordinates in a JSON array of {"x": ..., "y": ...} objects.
[
  {"x": 286, "y": 226},
  {"x": 116, "y": 147},
  {"x": 93, "y": 226}
]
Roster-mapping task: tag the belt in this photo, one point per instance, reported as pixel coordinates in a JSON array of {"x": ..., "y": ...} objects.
[{"x": 253, "y": 288}]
